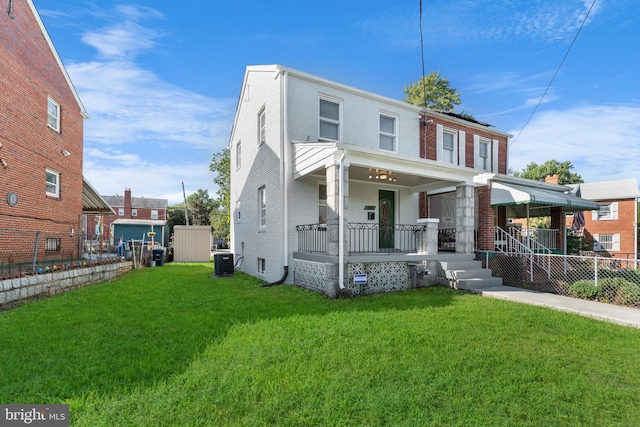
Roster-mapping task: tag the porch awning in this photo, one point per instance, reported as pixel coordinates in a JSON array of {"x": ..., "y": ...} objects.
[
  {"x": 505, "y": 195},
  {"x": 92, "y": 202}
]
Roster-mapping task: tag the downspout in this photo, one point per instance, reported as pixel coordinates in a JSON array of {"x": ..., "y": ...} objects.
[
  {"x": 341, "y": 222},
  {"x": 285, "y": 190}
]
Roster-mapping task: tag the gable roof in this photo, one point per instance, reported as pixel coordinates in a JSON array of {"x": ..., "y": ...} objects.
[
  {"x": 137, "y": 202},
  {"x": 610, "y": 190},
  {"x": 57, "y": 58}
]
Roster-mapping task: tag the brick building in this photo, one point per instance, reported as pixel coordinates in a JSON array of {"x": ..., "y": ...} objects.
[{"x": 41, "y": 137}]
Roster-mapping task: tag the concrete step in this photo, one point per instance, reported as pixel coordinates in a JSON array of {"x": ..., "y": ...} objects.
[
  {"x": 467, "y": 274},
  {"x": 478, "y": 283},
  {"x": 460, "y": 265}
]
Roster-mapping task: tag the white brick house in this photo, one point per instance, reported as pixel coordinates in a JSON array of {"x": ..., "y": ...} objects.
[{"x": 299, "y": 142}]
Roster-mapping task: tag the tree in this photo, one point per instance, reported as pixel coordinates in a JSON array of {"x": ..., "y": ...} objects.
[
  {"x": 434, "y": 92},
  {"x": 551, "y": 167},
  {"x": 199, "y": 207},
  {"x": 220, "y": 217}
]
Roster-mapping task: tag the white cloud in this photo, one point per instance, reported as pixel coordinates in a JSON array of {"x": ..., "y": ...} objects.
[{"x": 602, "y": 142}]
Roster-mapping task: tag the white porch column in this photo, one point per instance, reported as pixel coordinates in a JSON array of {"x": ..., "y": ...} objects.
[
  {"x": 333, "y": 208},
  {"x": 465, "y": 219}
]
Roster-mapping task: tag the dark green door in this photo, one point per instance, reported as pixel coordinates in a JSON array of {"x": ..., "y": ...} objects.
[{"x": 386, "y": 218}]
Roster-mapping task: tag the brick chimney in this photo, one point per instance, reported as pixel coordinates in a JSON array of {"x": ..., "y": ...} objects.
[
  {"x": 551, "y": 179},
  {"x": 127, "y": 203}
]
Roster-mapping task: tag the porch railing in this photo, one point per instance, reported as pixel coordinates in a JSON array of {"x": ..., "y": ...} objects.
[{"x": 363, "y": 238}]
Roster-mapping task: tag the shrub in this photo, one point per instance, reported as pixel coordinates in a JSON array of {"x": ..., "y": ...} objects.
[
  {"x": 620, "y": 291},
  {"x": 585, "y": 289}
]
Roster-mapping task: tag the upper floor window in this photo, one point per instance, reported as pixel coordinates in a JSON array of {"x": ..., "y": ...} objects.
[
  {"x": 448, "y": 147},
  {"x": 483, "y": 155},
  {"x": 238, "y": 154},
  {"x": 262, "y": 126},
  {"x": 53, "y": 183},
  {"x": 387, "y": 133},
  {"x": 53, "y": 115},
  {"x": 329, "y": 120},
  {"x": 120, "y": 211},
  {"x": 238, "y": 212},
  {"x": 262, "y": 207},
  {"x": 134, "y": 212},
  {"x": 154, "y": 214},
  {"x": 606, "y": 242},
  {"x": 606, "y": 212}
]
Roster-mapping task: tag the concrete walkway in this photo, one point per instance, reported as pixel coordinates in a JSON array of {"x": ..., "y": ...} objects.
[{"x": 625, "y": 316}]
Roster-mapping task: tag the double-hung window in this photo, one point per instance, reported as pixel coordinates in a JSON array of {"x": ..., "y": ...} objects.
[
  {"x": 329, "y": 120},
  {"x": 262, "y": 126},
  {"x": 53, "y": 183},
  {"x": 154, "y": 214},
  {"x": 606, "y": 212},
  {"x": 387, "y": 133},
  {"x": 262, "y": 207},
  {"x": 606, "y": 242},
  {"x": 53, "y": 115},
  {"x": 483, "y": 155},
  {"x": 448, "y": 147},
  {"x": 134, "y": 212},
  {"x": 120, "y": 211}
]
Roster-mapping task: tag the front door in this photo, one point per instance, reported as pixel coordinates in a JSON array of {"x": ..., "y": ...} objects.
[{"x": 386, "y": 219}]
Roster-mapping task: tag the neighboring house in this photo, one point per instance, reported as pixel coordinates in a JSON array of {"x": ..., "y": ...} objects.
[
  {"x": 126, "y": 230},
  {"x": 41, "y": 142},
  {"x": 127, "y": 207},
  {"x": 333, "y": 187},
  {"x": 613, "y": 227}
]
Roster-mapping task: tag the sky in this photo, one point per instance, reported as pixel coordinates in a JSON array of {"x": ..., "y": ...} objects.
[{"x": 160, "y": 79}]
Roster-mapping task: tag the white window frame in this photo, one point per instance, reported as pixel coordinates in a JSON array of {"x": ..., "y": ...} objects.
[
  {"x": 262, "y": 126},
  {"x": 393, "y": 136},
  {"x": 154, "y": 214},
  {"x": 607, "y": 212},
  {"x": 606, "y": 242},
  {"x": 134, "y": 212},
  {"x": 322, "y": 203},
  {"x": 120, "y": 211},
  {"x": 330, "y": 120},
  {"x": 55, "y": 191},
  {"x": 53, "y": 114},
  {"x": 238, "y": 214},
  {"x": 238, "y": 154},
  {"x": 262, "y": 265},
  {"x": 492, "y": 154},
  {"x": 262, "y": 207},
  {"x": 484, "y": 162}
]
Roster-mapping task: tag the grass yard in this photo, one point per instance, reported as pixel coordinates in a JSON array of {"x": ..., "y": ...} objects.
[{"x": 170, "y": 346}]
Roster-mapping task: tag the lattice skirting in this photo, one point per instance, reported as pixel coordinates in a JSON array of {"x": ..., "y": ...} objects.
[
  {"x": 381, "y": 277},
  {"x": 312, "y": 275}
]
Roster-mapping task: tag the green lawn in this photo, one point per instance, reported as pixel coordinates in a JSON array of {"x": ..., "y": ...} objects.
[{"x": 172, "y": 346}]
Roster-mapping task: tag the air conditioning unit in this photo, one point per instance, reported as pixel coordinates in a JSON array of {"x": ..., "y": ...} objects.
[{"x": 223, "y": 265}]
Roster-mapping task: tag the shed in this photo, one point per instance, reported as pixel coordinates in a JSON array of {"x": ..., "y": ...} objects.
[
  {"x": 192, "y": 243},
  {"x": 137, "y": 229}
]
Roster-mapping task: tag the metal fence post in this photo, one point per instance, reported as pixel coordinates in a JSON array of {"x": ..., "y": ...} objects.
[
  {"x": 35, "y": 252},
  {"x": 595, "y": 270}
]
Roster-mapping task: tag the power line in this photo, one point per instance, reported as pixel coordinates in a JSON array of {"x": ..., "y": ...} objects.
[{"x": 554, "y": 74}]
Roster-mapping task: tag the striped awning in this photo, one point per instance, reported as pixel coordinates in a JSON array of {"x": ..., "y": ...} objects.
[{"x": 511, "y": 194}]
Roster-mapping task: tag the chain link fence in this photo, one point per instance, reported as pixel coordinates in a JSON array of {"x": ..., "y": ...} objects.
[{"x": 593, "y": 277}]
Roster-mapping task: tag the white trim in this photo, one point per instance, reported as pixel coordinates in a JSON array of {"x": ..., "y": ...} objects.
[
  {"x": 495, "y": 151},
  {"x": 262, "y": 128},
  {"x": 56, "y": 117},
  {"x": 393, "y": 135},
  {"x": 328, "y": 120},
  {"x": 462, "y": 142},
  {"x": 56, "y": 193}
]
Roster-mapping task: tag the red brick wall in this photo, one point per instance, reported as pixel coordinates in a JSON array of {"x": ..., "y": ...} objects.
[
  {"x": 624, "y": 225},
  {"x": 29, "y": 74},
  {"x": 428, "y": 147},
  {"x": 486, "y": 220}
]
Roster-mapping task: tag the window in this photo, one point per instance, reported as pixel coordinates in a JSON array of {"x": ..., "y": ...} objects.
[
  {"x": 238, "y": 215},
  {"x": 262, "y": 207},
  {"x": 329, "y": 120},
  {"x": 52, "y": 244},
  {"x": 262, "y": 124},
  {"x": 322, "y": 203},
  {"x": 261, "y": 265},
  {"x": 238, "y": 154},
  {"x": 606, "y": 212},
  {"x": 53, "y": 115},
  {"x": 387, "y": 133},
  {"x": 134, "y": 212},
  {"x": 606, "y": 242},
  {"x": 154, "y": 214},
  {"x": 53, "y": 183},
  {"x": 120, "y": 211},
  {"x": 483, "y": 155},
  {"x": 448, "y": 147}
]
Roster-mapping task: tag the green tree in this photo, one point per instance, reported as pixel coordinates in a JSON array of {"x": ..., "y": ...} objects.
[
  {"x": 199, "y": 207},
  {"x": 434, "y": 92},
  {"x": 551, "y": 167},
  {"x": 220, "y": 217},
  {"x": 175, "y": 216}
]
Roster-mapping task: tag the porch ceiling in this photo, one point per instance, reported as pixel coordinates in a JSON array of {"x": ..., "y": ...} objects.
[{"x": 419, "y": 174}]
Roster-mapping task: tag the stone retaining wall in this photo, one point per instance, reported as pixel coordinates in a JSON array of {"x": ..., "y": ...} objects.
[{"x": 32, "y": 287}]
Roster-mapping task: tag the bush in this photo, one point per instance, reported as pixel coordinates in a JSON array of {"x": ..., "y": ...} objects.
[
  {"x": 620, "y": 291},
  {"x": 585, "y": 289}
]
